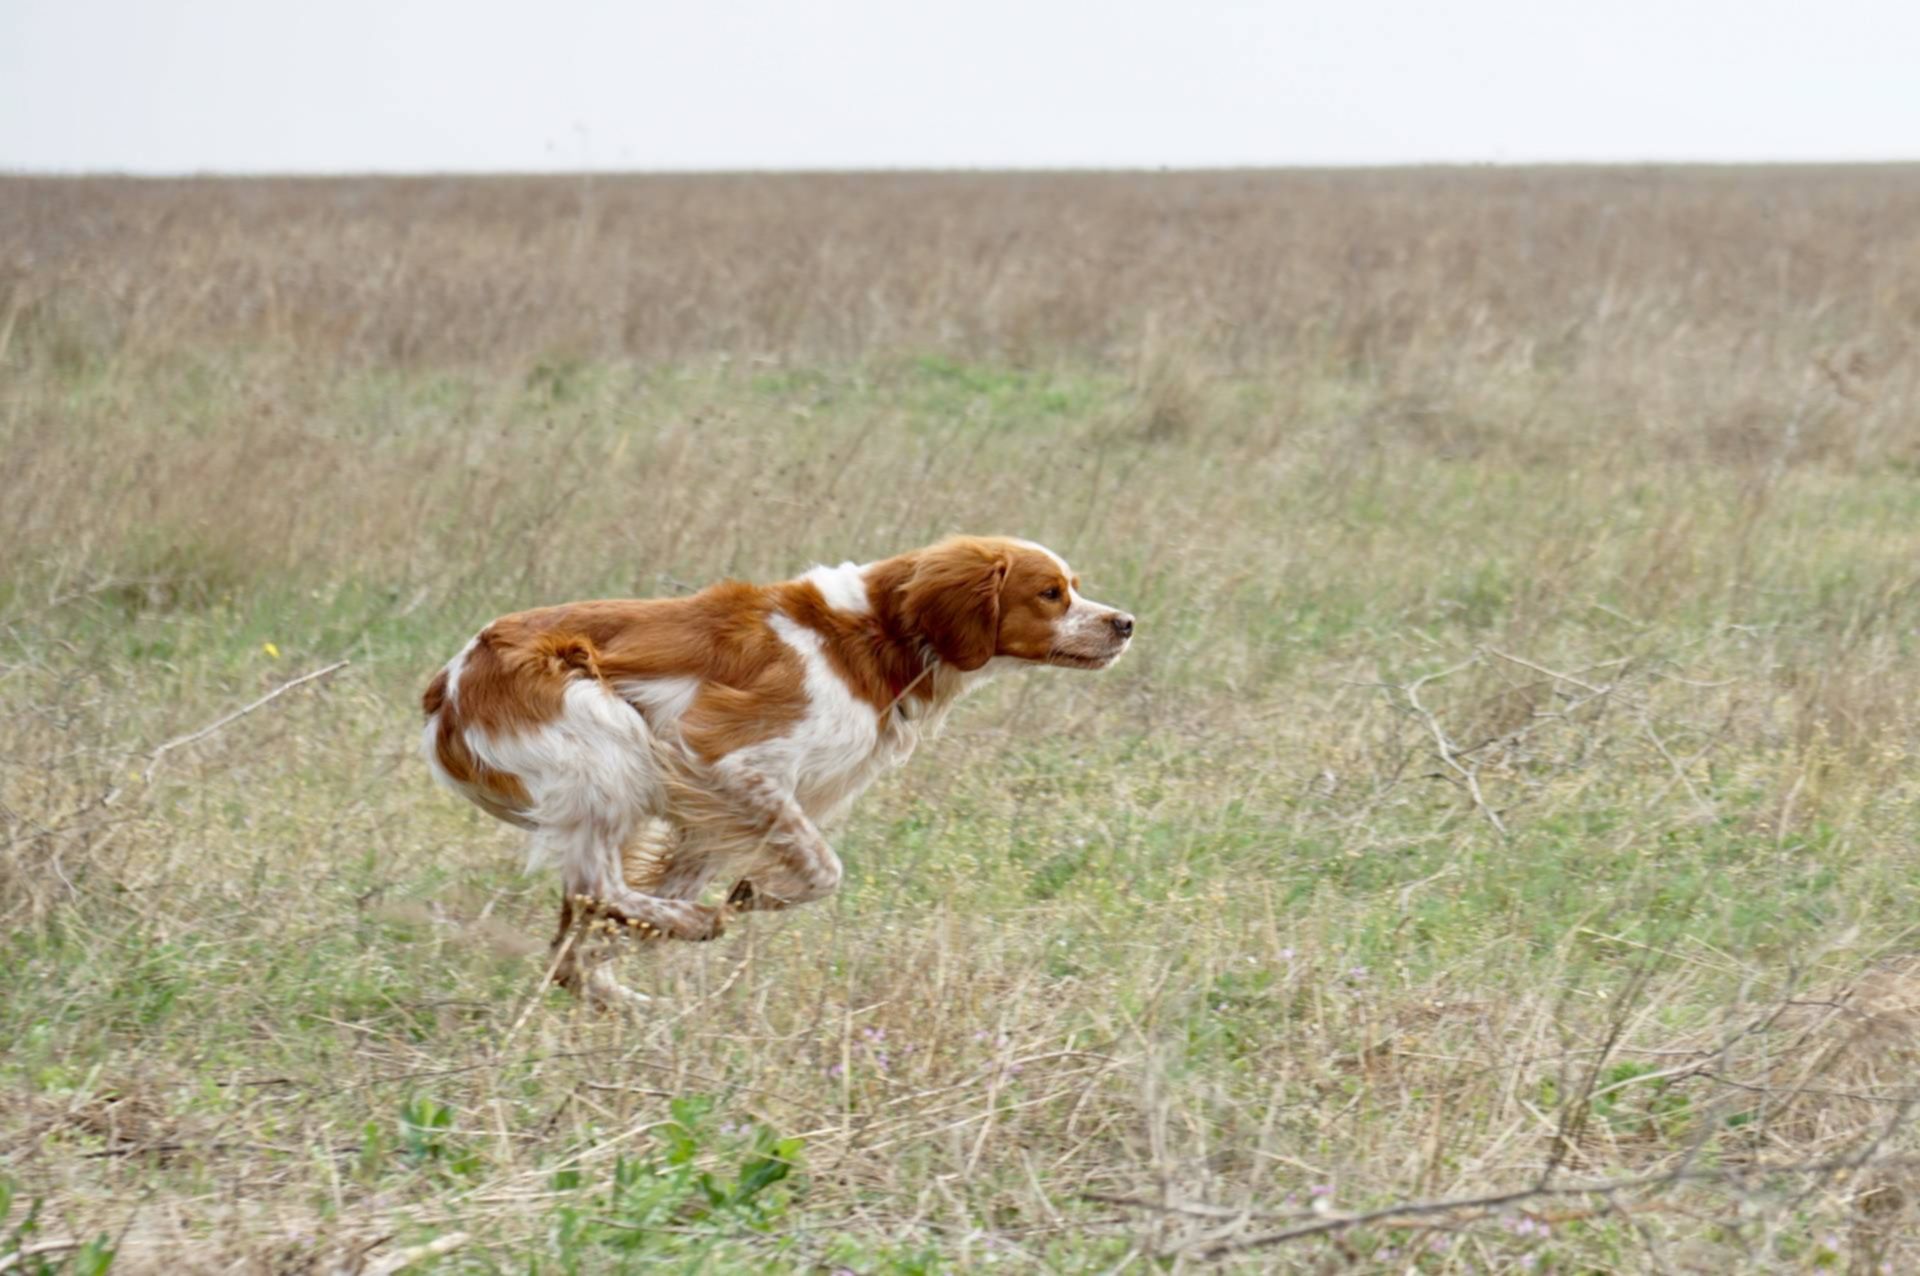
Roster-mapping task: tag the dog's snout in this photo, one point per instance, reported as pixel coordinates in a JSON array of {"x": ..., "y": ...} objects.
[{"x": 1122, "y": 625}]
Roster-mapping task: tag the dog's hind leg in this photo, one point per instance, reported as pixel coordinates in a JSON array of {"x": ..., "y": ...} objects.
[
  {"x": 591, "y": 870},
  {"x": 582, "y": 952},
  {"x": 581, "y": 959},
  {"x": 598, "y": 904}
]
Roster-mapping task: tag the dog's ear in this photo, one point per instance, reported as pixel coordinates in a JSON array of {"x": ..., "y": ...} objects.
[{"x": 952, "y": 599}]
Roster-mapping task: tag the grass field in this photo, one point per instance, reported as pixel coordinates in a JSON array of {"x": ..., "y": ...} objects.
[{"x": 1512, "y": 785}]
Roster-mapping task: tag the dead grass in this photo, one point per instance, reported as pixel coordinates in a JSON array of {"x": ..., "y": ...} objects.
[{"x": 1514, "y": 786}]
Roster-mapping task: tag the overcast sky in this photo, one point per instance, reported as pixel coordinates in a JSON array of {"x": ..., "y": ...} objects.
[{"x": 399, "y": 85}]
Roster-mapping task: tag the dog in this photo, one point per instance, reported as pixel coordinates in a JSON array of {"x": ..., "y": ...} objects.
[{"x": 651, "y": 746}]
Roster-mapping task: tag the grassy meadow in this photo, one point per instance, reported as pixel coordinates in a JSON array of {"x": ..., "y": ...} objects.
[{"x": 1511, "y": 789}]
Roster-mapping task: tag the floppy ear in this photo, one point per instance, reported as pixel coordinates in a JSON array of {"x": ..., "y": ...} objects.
[{"x": 952, "y": 599}]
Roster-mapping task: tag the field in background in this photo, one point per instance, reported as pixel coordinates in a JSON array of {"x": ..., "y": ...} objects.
[{"x": 1514, "y": 776}]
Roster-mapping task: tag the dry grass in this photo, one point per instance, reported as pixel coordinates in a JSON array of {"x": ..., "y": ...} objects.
[{"x": 1516, "y": 777}]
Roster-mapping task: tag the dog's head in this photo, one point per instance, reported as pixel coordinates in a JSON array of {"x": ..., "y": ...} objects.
[{"x": 974, "y": 598}]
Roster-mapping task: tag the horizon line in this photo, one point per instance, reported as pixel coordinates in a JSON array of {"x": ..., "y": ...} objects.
[{"x": 908, "y": 170}]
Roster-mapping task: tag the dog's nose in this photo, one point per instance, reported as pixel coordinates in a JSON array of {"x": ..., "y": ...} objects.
[{"x": 1123, "y": 625}]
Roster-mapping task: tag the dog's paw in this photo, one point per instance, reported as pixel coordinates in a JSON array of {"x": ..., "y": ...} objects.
[
  {"x": 596, "y": 917},
  {"x": 701, "y": 922},
  {"x": 748, "y": 898}
]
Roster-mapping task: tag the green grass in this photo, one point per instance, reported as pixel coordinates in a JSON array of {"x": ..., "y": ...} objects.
[{"x": 1220, "y": 924}]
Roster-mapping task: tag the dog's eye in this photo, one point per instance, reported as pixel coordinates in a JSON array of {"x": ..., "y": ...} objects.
[{"x": 1051, "y": 593}]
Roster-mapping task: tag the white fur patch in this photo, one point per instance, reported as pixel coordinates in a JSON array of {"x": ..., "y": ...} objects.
[
  {"x": 663, "y": 701},
  {"x": 844, "y": 587},
  {"x": 430, "y": 733},
  {"x": 590, "y": 769},
  {"x": 455, "y": 668},
  {"x": 835, "y": 751},
  {"x": 430, "y": 749},
  {"x": 1058, "y": 561}
]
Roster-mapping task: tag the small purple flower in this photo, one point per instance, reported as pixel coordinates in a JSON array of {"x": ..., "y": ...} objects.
[
  {"x": 1320, "y": 1189},
  {"x": 1286, "y": 954}
]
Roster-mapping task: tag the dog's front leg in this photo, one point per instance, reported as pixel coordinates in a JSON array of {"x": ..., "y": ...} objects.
[{"x": 801, "y": 866}]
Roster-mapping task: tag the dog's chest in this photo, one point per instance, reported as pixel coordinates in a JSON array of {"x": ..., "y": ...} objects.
[
  {"x": 841, "y": 754},
  {"x": 842, "y": 743}
]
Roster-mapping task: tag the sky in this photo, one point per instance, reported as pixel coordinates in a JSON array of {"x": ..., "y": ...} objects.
[{"x": 243, "y": 86}]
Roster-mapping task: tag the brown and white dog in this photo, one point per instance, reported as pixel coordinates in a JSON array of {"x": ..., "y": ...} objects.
[{"x": 739, "y": 719}]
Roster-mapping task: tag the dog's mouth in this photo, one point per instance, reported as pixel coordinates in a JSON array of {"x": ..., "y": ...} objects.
[{"x": 1081, "y": 660}]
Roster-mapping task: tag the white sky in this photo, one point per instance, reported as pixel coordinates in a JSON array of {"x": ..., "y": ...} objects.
[{"x": 397, "y": 85}]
